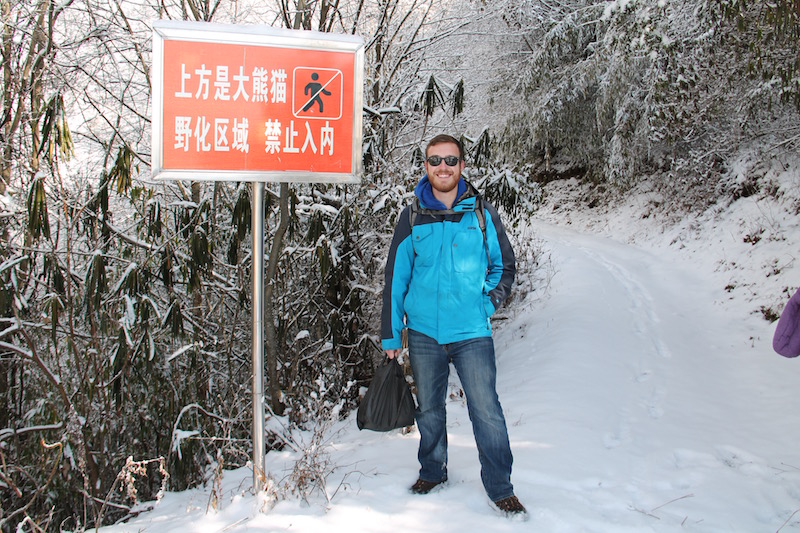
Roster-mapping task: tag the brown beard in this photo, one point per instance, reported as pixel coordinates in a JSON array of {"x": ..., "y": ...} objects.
[{"x": 435, "y": 184}]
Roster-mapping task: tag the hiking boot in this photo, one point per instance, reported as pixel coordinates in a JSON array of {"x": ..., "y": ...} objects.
[
  {"x": 511, "y": 507},
  {"x": 424, "y": 487}
]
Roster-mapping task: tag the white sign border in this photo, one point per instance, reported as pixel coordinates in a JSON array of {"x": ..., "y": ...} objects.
[{"x": 253, "y": 35}]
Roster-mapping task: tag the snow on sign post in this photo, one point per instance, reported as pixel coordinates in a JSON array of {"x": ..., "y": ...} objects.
[{"x": 257, "y": 104}]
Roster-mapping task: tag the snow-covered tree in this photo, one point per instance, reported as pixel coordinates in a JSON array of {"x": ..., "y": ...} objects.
[{"x": 616, "y": 91}]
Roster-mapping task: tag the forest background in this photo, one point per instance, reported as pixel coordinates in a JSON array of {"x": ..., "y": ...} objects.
[{"x": 125, "y": 332}]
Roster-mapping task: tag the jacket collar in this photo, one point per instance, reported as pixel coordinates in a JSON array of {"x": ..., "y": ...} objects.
[{"x": 424, "y": 191}]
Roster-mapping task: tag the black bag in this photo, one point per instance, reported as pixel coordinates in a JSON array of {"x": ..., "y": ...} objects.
[{"x": 388, "y": 404}]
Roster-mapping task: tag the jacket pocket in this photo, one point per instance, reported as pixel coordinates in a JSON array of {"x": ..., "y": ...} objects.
[
  {"x": 469, "y": 256},
  {"x": 488, "y": 306},
  {"x": 422, "y": 240}
]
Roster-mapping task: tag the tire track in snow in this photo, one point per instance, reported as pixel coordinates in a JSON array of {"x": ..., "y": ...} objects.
[
  {"x": 642, "y": 306},
  {"x": 633, "y": 345}
]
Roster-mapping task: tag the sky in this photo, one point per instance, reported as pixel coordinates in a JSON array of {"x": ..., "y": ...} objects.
[{"x": 639, "y": 385}]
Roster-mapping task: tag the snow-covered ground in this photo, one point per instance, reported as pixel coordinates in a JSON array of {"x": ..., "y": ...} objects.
[{"x": 641, "y": 394}]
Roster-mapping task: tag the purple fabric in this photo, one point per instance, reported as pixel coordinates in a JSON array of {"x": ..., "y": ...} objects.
[{"x": 787, "y": 335}]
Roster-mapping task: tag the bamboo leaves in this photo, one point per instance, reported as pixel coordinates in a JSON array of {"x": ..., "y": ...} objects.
[
  {"x": 482, "y": 153},
  {"x": 154, "y": 223},
  {"x": 167, "y": 263},
  {"x": 96, "y": 282},
  {"x": 56, "y": 136},
  {"x": 242, "y": 218},
  {"x": 435, "y": 96},
  {"x": 458, "y": 98},
  {"x": 173, "y": 319},
  {"x": 38, "y": 220},
  {"x": 121, "y": 171},
  {"x": 432, "y": 97},
  {"x": 201, "y": 256},
  {"x": 242, "y": 221}
]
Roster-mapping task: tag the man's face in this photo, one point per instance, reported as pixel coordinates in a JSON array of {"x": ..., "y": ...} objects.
[{"x": 443, "y": 177}]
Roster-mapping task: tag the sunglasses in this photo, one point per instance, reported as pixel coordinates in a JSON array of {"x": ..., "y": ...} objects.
[{"x": 450, "y": 160}]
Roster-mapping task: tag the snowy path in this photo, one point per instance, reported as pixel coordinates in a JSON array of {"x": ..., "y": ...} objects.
[
  {"x": 653, "y": 400},
  {"x": 634, "y": 403}
]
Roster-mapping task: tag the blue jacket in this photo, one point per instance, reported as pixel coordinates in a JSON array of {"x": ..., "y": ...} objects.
[{"x": 442, "y": 279}]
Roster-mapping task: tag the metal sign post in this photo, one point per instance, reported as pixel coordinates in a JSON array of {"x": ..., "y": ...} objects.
[
  {"x": 256, "y": 104},
  {"x": 259, "y": 450}
]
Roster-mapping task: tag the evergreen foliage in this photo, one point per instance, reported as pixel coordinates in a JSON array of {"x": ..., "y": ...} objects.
[{"x": 621, "y": 90}]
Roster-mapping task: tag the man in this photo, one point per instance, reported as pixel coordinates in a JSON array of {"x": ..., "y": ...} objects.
[{"x": 450, "y": 266}]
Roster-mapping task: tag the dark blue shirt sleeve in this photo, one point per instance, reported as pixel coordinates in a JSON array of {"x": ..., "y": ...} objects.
[{"x": 397, "y": 276}]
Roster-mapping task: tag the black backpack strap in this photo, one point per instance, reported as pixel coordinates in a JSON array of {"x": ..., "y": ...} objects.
[
  {"x": 412, "y": 212},
  {"x": 481, "y": 216},
  {"x": 482, "y": 223}
]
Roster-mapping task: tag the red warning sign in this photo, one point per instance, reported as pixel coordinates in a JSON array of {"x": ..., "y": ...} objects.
[{"x": 279, "y": 107}]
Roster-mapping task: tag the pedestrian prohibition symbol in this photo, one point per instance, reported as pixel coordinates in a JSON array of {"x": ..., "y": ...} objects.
[{"x": 317, "y": 93}]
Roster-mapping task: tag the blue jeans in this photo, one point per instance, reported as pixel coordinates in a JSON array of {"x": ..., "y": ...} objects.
[{"x": 475, "y": 363}]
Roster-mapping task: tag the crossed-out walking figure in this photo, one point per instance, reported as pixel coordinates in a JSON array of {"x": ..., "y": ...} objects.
[{"x": 315, "y": 88}]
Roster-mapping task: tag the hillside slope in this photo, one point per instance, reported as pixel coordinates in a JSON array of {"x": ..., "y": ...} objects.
[{"x": 748, "y": 240}]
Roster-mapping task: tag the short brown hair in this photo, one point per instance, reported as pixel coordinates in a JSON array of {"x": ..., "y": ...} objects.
[{"x": 442, "y": 139}]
